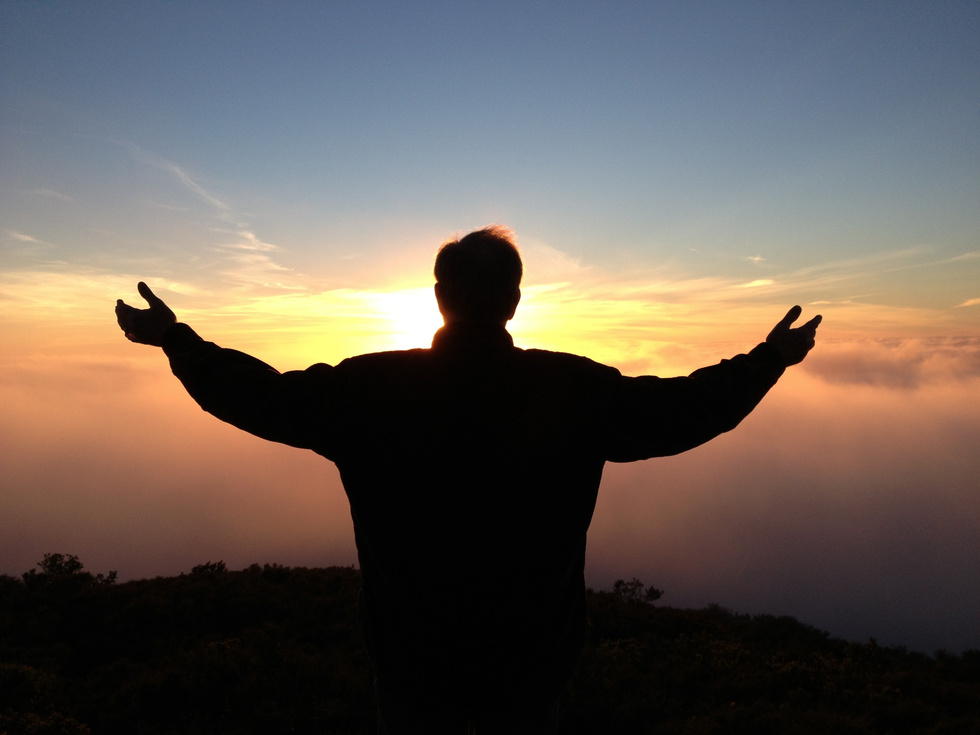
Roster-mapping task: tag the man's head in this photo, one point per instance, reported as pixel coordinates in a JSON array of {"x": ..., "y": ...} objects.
[{"x": 478, "y": 277}]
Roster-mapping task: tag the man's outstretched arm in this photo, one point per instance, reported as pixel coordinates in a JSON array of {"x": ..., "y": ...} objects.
[
  {"x": 235, "y": 387},
  {"x": 662, "y": 416}
]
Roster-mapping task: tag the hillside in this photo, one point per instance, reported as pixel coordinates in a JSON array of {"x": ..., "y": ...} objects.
[{"x": 274, "y": 650}]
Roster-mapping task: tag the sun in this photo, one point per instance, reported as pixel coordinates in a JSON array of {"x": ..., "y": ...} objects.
[{"x": 411, "y": 317}]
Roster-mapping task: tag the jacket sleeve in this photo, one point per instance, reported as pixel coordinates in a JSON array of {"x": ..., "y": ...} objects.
[
  {"x": 292, "y": 407},
  {"x": 656, "y": 417}
]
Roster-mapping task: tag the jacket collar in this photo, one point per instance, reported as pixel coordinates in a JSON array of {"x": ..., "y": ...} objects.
[{"x": 472, "y": 336}]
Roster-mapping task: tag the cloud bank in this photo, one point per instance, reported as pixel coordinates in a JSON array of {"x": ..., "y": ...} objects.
[{"x": 848, "y": 499}]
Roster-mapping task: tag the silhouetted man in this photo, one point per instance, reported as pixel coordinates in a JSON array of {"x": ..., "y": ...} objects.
[{"x": 472, "y": 470}]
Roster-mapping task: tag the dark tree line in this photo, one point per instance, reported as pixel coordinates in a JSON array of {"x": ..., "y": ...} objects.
[{"x": 273, "y": 650}]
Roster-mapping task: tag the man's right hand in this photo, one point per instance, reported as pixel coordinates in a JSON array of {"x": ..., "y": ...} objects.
[
  {"x": 146, "y": 326},
  {"x": 794, "y": 343}
]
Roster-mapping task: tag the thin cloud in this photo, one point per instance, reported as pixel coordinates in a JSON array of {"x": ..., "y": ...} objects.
[
  {"x": 51, "y": 194},
  {"x": 251, "y": 270},
  {"x": 248, "y": 263},
  {"x": 671, "y": 286},
  {"x": 897, "y": 363},
  {"x": 21, "y": 237},
  {"x": 26, "y": 251},
  {"x": 848, "y": 301},
  {"x": 834, "y": 283},
  {"x": 151, "y": 159},
  {"x": 544, "y": 263},
  {"x": 889, "y": 261},
  {"x": 877, "y": 262},
  {"x": 247, "y": 240},
  {"x": 165, "y": 206},
  {"x": 969, "y": 302}
]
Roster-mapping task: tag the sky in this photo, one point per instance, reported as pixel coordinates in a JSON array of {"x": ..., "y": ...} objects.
[{"x": 678, "y": 176}]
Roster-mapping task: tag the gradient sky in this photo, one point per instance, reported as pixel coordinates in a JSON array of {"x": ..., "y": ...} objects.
[{"x": 678, "y": 175}]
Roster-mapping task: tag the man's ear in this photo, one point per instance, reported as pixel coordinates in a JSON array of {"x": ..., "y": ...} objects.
[
  {"x": 517, "y": 300},
  {"x": 437, "y": 289}
]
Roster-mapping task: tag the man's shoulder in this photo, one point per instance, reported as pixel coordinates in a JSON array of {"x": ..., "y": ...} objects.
[
  {"x": 534, "y": 354},
  {"x": 386, "y": 359},
  {"x": 524, "y": 359}
]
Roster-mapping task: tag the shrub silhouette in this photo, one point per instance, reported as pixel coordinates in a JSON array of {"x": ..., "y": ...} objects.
[
  {"x": 272, "y": 649},
  {"x": 634, "y": 591}
]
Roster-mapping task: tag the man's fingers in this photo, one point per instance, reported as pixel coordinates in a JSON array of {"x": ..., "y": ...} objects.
[
  {"x": 794, "y": 343},
  {"x": 791, "y": 316},
  {"x": 813, "y": 323},
  {"x": 123, "y": 311},
  {"x": 146, "y": 293}
]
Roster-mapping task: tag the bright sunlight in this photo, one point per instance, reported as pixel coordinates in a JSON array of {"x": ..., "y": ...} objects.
[{"x": 412, "y": 315}]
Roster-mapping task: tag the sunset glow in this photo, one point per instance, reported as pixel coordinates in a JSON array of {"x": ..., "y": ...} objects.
[{"x": 677, "y": 178}]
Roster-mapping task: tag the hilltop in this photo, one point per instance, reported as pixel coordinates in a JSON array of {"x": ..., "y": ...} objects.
[{"x": 271, "y": 649}]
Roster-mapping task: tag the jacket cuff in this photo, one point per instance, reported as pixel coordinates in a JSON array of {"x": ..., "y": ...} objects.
[
  {"x": 179, "y": 338},
  {"x": 769, "y": 354}
]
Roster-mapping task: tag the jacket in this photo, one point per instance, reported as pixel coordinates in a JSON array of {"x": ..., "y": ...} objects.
[{"x": 472, "y": 470}]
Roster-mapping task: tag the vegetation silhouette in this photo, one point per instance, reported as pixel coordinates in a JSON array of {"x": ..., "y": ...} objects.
[{"x": 271, "y": 649}]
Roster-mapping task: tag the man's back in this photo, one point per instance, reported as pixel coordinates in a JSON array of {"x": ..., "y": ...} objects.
[{"x": 472, "y": 470}]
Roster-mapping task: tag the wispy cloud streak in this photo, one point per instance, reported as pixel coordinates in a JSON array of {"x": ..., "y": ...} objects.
[
  {"x": 151, "y": 159},
  {"x": 22, "y": 237},
  {"x": 249, "y": 263},
  {"x": 50, "y": 194}
]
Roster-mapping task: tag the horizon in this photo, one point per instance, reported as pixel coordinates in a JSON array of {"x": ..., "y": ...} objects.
[{"x": 677, "y": 177}]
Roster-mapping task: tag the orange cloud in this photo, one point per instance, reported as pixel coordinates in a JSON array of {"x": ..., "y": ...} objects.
[
  {"x": 852, "y": 507},
  {"x": 897, "y": 363},
  {"x": 107, "y": 458},
  {"x": 853, "y": 480}
]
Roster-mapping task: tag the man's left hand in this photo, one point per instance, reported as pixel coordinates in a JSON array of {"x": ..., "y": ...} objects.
[{"x": 146, "y": 326}]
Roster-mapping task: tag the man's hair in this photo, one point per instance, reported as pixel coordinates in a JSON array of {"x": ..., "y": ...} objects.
[{"x": 479, "y": 275}]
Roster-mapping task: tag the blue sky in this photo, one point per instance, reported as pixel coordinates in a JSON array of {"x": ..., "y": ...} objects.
[
  {"x": 678, "y": 174},
  {"x": 704, "y": 134}
]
